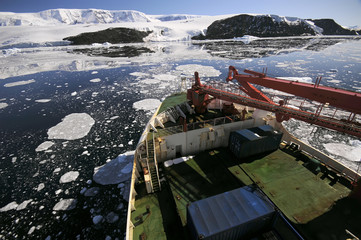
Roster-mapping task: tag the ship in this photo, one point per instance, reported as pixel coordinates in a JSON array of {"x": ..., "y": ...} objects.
[{"x": 216, "y": 162}]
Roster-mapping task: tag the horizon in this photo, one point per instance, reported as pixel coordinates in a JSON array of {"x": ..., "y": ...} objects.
[{"x": 345, "y": 13}]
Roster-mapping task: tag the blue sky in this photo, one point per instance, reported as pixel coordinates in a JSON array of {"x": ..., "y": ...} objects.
[{"x": 345, "y": 12}]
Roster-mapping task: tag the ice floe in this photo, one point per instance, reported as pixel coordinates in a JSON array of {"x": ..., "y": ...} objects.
[
  {"x": 24, "y": 204},
  {"x": 14, "y": 206},
  {"x": 95, "y": 80},
  {"x": 65, "y": 204},
  {"x": 147, "y": 104},
  {"x": 42, "y": 100},
  {"x": 8, "y": 207},
  {"x": 204, "y": 71},
  {"x": 73, "y": 126},
  {"x": 40, "y": 187},
  {"x": 116, "y": 171},
  {"x": 3, "y": 105},
  {"x": 351, "y": 151},
  {"x": 44, "y": 146},
  {"x": 69, "y": 177},
  {"x": 19, "y": 83}
]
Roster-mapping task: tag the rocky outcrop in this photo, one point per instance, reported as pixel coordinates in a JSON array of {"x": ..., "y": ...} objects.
[
  {"x": 271, "y": 26},
  {"x": 111, "y": 35},
  {"x": 330, "y": 27}
]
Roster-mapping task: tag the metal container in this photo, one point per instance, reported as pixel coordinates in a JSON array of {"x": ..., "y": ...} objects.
[
  {"x": 248, "y": 142},
  {"x": 230, "y": 215}
]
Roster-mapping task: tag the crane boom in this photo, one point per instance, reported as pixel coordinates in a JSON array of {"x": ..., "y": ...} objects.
[{"x": 347, "y": 100}]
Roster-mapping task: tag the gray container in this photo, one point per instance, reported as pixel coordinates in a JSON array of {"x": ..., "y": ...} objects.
[
  {"x": 244, "y": 143},
  {"x": 248, "y": 142},
  {"x": 230, "y": 215}
]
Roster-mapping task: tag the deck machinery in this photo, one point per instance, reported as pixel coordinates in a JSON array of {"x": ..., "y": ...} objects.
[{"x": 326, "y": 96}]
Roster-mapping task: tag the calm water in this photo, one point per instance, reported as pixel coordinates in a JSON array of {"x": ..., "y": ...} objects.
[{"x": 29, "y": 175}]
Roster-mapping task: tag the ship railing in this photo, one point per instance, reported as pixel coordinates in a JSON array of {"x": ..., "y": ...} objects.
[{"x": 198, "y": 125}]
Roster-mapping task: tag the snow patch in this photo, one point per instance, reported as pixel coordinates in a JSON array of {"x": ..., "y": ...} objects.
[{"x": 73, "y": 126}]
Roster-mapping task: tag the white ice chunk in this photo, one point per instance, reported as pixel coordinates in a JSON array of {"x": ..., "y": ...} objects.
[
  {"x": 65, "y": 204},
  {"x": 350, "y": 151},
  {"x": 43, "y": 100},
  {"x": 95, "y": 80},
  {"x": 116, "y": 171},
  {"x": 3, "y": 105},
  {"x": 40, "y": 187},
  {"x": 9, "y": 207},
  {"x": 19, "y": 83},
  {"x": 44, "y": 146},
  {"x": 204, "y": 71},
  {"x": 69, "y": 177},
  {"x": 73, "y": 126},
  {"x": 147, "y": 104},
  {"x": 24, "y": 204},
  {"x": 94, "y": 72},
  {"x": 31, "y": 230}
]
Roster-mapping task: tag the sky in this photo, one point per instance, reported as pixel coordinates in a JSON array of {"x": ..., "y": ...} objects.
[{"x": 344, "y": 12}]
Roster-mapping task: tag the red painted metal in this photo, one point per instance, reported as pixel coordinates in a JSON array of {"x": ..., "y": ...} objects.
[
  {"x": 199, "y": 95},
  {"x": 249, "y": 89},
  {"x": 347, "y": 100}
]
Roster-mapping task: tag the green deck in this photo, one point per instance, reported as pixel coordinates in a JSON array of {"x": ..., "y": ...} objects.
[
  {"x": 306, "y": 198},
  {"x": 150, "y": 226},
  {"x": 300, "y": 194},
  {"x": 173, "y": 100}
]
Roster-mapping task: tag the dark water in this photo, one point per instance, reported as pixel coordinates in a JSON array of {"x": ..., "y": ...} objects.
[{"x": 24, "y": 124}]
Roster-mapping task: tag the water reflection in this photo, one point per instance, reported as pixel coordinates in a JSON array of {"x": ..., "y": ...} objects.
[{"x": 265, "y": 47}]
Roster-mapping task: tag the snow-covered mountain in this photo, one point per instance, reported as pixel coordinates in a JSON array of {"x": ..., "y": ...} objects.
[{"x": 72, "y": 16}]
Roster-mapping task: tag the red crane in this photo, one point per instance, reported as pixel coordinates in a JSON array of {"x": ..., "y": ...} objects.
[{"x": 346, "y": 100}]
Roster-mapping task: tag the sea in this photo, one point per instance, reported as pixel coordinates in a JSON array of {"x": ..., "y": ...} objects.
[{"x": 66, "y": 111}]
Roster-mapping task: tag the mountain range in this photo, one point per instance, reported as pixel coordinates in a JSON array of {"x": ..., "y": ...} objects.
[
  {"x": 83, "y": 16},
  {"x": 54, "y": 25}
]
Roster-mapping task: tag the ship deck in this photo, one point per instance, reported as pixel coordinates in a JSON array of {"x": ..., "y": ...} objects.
[
  {"x": 309, "y": 195},
  {"x": 314, "y": 200}
]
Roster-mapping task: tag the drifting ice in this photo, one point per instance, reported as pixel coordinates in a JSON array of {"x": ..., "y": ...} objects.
[{"x": 74, "y": 126}]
